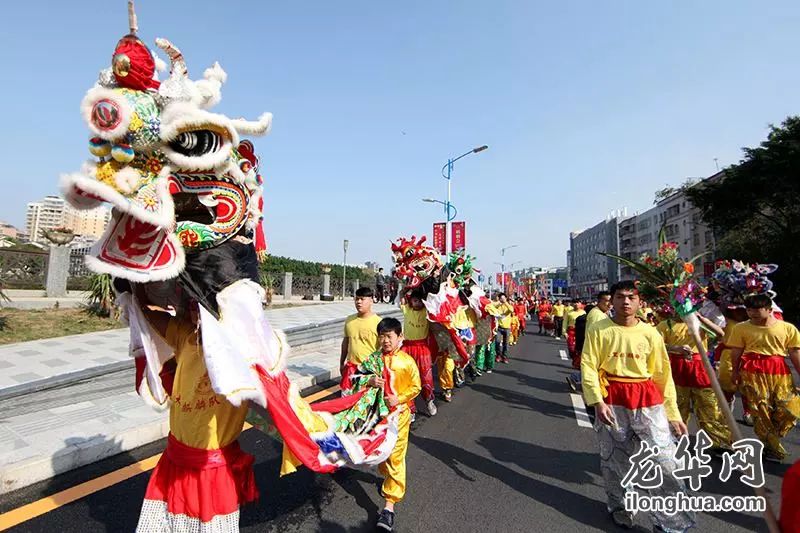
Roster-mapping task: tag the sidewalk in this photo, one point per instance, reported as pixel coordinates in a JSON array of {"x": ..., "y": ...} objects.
[
  {"x": 30, "y": 366},
  {"x": 46, "y": 433}
]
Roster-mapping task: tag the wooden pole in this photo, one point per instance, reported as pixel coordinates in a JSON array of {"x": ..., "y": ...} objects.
[
  {"x": 132, "y": 24},
  {"x": 693, "y": 323}
]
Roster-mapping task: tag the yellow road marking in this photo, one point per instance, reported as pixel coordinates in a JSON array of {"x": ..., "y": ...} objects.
[{"x": 50, "y": 503}]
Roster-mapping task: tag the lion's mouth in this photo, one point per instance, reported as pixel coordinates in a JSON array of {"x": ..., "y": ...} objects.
[{"x": 190, "y": 208}]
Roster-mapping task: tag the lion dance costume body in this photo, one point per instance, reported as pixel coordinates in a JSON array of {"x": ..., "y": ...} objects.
[
  {"x": 183, "y": 247},
  {"x": 457, "y": 308}
]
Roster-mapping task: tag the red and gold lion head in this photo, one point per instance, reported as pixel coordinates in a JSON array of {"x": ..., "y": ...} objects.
[{"x": 415, "y": 262}]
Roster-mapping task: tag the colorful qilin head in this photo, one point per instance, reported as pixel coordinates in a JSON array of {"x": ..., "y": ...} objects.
[
  {"x": 179, "y": 178},
  {"x": 415, "y": 262},
  {"x": 461, "y": 268},
  {"x": 736, "y": 280}
]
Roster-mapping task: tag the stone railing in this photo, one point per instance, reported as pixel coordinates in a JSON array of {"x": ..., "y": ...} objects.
[
  {"x": 63, "y": 268},
  {"x": 23, "y": 270}
]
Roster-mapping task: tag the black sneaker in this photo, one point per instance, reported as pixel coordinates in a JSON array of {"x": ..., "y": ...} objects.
[
  {"x": 572, "y": 384},
  {"x": 385, "y": 521},
  {"x": 623, "y": 518}
]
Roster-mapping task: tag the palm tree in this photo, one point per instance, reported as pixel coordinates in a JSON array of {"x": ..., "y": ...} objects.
[{"x": 100, "y": 301}]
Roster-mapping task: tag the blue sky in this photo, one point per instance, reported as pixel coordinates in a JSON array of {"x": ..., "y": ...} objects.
[{"x": 586, "y": 106}]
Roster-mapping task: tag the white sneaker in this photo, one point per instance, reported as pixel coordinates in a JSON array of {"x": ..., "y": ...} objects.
[
  {"x": 432, "y": 408},
  {"x": 413, "y": 417}
]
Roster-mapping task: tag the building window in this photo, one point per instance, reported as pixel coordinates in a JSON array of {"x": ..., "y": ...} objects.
[
  {"x": 709, "y": 237},
  {"x": 696, "y": 239}
]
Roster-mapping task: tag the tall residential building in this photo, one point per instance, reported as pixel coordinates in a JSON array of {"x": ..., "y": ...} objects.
[
  {"x": 90, "y": 223},
  {"x": 682, "y": 224},
  {"x": 53, "y": 212},
  {"x": 590, "y": 272},
  {"x": 47, "y": 214}
]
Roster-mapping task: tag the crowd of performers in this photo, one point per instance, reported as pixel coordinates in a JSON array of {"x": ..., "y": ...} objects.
[
  {"x": 183, "y": 247},
  {"x": 640, "y": 371}
]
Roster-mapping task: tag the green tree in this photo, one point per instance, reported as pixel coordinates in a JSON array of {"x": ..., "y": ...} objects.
[{"x": 755, "y": 209}]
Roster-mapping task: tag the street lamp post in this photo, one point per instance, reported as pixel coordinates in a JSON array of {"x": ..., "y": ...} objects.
[
  {"x": 449, "y": 167},
  {"x": 502, "y": 264},
  {"x": 344, "y": 267}
]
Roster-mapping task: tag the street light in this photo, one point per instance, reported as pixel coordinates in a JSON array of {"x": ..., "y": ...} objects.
[
  {"x": 449, "y": 167},
  {"x": 502, "y": 264},
  {"x": 344, "y": 266},
  {"x": 447, "y": 207}
]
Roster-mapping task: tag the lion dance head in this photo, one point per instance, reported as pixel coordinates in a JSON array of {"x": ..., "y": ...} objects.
[
  {"x": 179, "y": 178},
  {"x": 414, "y": 262}
]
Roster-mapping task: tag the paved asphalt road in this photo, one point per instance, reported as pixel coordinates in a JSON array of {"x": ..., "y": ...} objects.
[{"x": 506, "y": 455}]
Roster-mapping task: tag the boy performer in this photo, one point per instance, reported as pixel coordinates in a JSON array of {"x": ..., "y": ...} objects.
[
  {"x": 400, "y": 384},
  {"x": 420, "y": 345},
  {"x": 759, "y": 350},
  {"x": 521, "y": 310},
  {"x": 626, "y": 377},
  {"x": 360, "y": 335},
  {"x": 722, "y": 356},
  {"x": 692, "y": 383}
]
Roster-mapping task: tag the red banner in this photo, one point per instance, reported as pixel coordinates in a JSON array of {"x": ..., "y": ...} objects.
[
  {"x": 440, "y": 237},
  {"x": 459, "y": 236},
  {"x": 499, "y": 278}
]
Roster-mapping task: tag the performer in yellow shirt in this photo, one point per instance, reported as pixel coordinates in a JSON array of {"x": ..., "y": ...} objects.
[
  {"x": 569, "y": 324},
  {"x": 626, "y": 377},
  {"x": 759, "y": 350},
  {"x": 360, "y": 335},
  {"x": 692, "y": 383},
  {"x": 558, "y": 317},
  {"x": 203, "y": 476},
  {"x": 722, "y": 356},
  {"x": 400, "y": 389},
  {"x": 505, "y": 311},
  {"x": 418, "y": 343}
]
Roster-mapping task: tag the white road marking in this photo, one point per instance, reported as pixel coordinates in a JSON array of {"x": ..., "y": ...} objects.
[
  {"x": 563, "y": 354},
  {"x": 580, "y": 411}
]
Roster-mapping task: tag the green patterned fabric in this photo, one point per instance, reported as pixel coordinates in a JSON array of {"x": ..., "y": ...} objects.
[{"x": 371, "y": 407}]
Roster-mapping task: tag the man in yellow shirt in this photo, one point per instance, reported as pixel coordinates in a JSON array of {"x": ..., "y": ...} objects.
[
  {"x": 626, "y": 377},
  {"x": 360, "y": 335},
  {"x": 558, "y": 317},
  {"x": 505, "y": 312},
  {"x": 759, "y": 350},
  {"x": 417, "y": 342},
  {"x": 599, "y": 311}
]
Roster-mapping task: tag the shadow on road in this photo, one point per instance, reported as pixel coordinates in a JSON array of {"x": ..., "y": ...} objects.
[
  {"x": 568, "y": 466},
  {"x": 524, "y": 401},
  {"x": 573, "y": 505}
]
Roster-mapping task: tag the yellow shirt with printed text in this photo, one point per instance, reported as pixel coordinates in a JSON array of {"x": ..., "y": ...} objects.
[
  {"x": 362, "y": 337},
  {"x": 415, "y": 323},
  {"x": 198, "y": 417},
  {"x": 776, "y": 339},
  {"x": 627, "y": 351}
]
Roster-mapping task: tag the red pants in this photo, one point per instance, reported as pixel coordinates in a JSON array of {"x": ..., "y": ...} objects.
[{"x": 420, "y": 350}]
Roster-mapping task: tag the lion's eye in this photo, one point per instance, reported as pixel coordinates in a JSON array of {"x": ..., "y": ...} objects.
[{"x": 197, "y": 143}]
